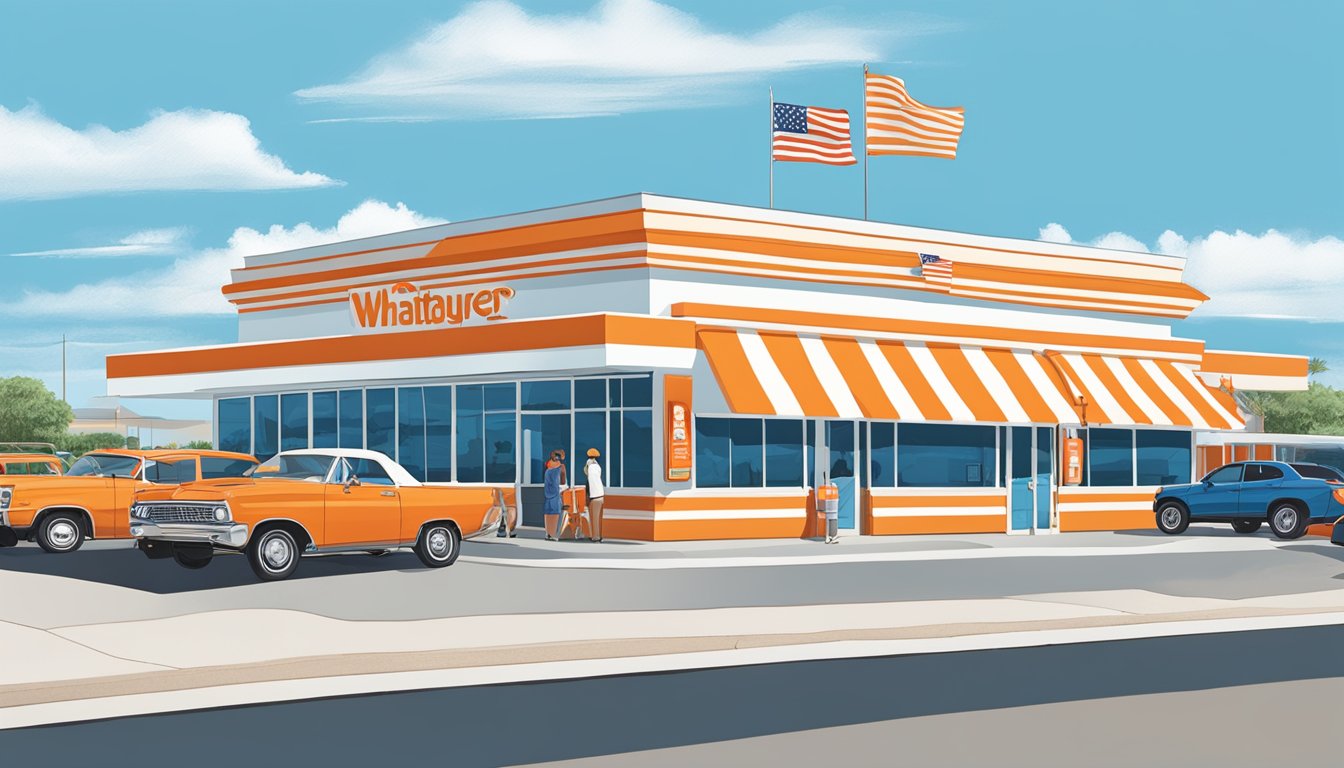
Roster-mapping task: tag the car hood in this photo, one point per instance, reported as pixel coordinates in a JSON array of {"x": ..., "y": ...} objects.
[
  {"x": 220, "y": 489},
  {"x": 1180, "y": 490}
]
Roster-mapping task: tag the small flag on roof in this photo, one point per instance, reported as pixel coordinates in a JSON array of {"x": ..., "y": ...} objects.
[
  {"x": 811, "y": 135},
  {"x": 937, "y": 271}
]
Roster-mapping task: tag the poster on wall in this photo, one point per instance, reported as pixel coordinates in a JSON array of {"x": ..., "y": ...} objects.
[{"x": 677, "y": 428}]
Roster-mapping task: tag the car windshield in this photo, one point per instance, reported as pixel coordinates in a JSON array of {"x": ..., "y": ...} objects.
[
  {"x": 1329, "y": 474},
  {"x": 306, "y": 466},
  {"x": 170, "y": 471},
  {"x": 104, "y": 465}
]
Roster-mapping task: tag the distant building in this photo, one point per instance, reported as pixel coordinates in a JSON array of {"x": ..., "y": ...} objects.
[{"x": 150, "y": 430}]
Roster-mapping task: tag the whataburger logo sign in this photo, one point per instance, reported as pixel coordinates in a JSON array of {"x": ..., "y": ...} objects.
[{"x": 404, "y": 305}]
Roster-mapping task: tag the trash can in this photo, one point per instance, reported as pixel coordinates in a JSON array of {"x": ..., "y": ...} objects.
[{"x": 828, "y": 504}]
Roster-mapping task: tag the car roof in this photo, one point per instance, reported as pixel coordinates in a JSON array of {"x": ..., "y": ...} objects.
[
  {"x": 163, "y": 453},
  {"x": 45, "y": 458}
]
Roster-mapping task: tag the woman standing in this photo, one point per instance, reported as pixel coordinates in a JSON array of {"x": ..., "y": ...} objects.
[
  {"x": 594, "y": 491},
  {"x": 553, "y": 485}
]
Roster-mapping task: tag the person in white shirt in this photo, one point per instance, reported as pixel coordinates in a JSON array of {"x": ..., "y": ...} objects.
[{"x": 594, "y": 491}]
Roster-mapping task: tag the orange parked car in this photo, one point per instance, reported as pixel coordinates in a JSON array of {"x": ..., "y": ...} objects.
[
  {"x": 30, "y": 464},
  {"x": 91, "y": 499},
  {"x": 314, "y": 502}
]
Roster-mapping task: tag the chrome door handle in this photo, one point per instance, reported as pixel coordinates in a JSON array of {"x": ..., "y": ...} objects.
[
  {"x": 389, "y": 493},
  {"x": 1031, "y": 485}
]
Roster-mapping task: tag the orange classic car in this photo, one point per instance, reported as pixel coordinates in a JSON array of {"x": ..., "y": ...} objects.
[
  {"x": 314, "y": 502},
  {"x": 91, "y": 499},
  {"x": 30, "y": 464}
]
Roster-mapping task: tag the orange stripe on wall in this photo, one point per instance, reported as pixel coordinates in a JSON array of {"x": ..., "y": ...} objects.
[
  {"x": 766, "y": 528},
  {"x": 788, "y": 354},
  {"x": 967, "y": 382},
  {"x": 941, "y": 500},
  {"x": 1254, "y": 365},
  {"x": 868, "y": 391},
  {"x": 1107, "y": 521},
  {"x": 921, "y": 391},
  {"x": 1116, "y": 389},
  {"x": 734, "y": 373},
  {"x": 493, "y": 337}
]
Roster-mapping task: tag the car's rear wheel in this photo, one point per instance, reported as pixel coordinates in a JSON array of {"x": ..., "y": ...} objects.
[
  {"x": 60, "y": 532},
  {"x": 1287, "y": 521},
  {"x": 438, "y": 545},
  {"x": 191, "y": 559},
  {"x": 273, "y": 554},
  {"x": 1173, "y": 518},
  {"x": 1246, "y": 526}
]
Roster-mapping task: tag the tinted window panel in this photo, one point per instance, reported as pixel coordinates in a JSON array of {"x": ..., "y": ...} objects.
[
  {"x": 214, "y": 467},
  {"x": 501, "y": 397},
  {"x": 352, "y": 418},
  {"x": 590, "y": 393},
  {"x": 783, "y": 453},
  {"x": 380, "y": 421},
  {"x": 713, "y": 447},
  {"x": 637, "y": 428},
  {"x": 439, "y": 434},
  {"x": 235, "y": 425},
  {"x": 637, "y": 393},
  {"x": 1228, "y": 474},
  {"x": 293, "y": 421},
  {"x": 1318, "y": 472},
  {"x": 946, "y": 456},
  {"x": 590, "y": 431},
  {"x": 748, "y": 453},
  {"x": 546, "y": 395},
  {"x": 501, "y": 462},
  {"x": 171, "y": 472},
  {"x": 884, "y": 455},
  {"x": 543, "y": 433},
  {"x": 266, "y": 425},
  {"x": 1111, "y": 457},
  {"x": 470, "y": 434},
  {"x": 370, "y": 472},
  {"x": 614, "y": 456},
  {"x": 1163, "y": 456},
  {"x": 326, "y": 422},
  {"x": 411, "y": 431}
]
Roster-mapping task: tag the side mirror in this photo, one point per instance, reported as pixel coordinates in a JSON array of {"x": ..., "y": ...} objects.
[
  {"x": 353, "y": 480},
  {"x": 1208, "y": 484}
]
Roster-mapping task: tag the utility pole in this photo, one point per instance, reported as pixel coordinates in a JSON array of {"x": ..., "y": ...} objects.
[{"x": 63, "y": 397}]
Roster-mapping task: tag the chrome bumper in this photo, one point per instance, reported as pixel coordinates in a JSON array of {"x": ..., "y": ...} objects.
[{"x": 223, "y": 534}]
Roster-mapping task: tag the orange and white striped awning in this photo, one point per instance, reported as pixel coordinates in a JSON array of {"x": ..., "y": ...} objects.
[{"x": 797, "y": 374}]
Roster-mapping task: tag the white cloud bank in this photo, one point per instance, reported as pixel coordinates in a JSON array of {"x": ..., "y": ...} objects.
[
  {"x": 494, "y": 59},
  {"x": 1271, "y": 275},
  {"x": 146, "y": 242},
  {"x": 190, "y": 285},
  {"x": 40, "y": 158}
]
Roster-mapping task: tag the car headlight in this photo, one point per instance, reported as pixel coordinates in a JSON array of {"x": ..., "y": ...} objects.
[
  {"x": 6, "y": 495},
  {"x": 221, "y": 514}
]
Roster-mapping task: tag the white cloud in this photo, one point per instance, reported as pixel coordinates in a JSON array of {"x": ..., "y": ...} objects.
[
  {"x": 191, "y": 285},
  {"x": 41, "y": 158},
  {"x": 146, "y": 242},
  {"x": 494, "y": 59},
  {"x": 1270, "y": 275}
]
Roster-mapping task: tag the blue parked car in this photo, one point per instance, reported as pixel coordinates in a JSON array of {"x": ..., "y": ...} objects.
[{"x": 1289, "y": 496}]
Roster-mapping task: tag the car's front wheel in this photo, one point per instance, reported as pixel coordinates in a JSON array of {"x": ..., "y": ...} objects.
[
  {"x": 1287, "y": 521},
  {"x": 192, "y": 560},
  {"x": 1246, "y": 526},
  {"x": 273, "y": 554},
  {"x": 1173, "y": 518},
  {"x": 60, "y": 532},
  {"x": 438, "y": 545}
]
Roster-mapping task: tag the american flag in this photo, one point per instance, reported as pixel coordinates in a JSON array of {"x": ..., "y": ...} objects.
[
  {"x": 899, "y": 125},
  {"x": 937, "y": 270},
  {"x": 812, "y": 135}
]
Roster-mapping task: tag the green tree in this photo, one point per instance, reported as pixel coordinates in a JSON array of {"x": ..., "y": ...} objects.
[
  {"x": 31, "y": 412},
  {"x": 1317, "y": 410},
  {"x": 200, "y": 445},
  {"x": 1316, "y": 365},
  {"x": 82, "y": 444}
]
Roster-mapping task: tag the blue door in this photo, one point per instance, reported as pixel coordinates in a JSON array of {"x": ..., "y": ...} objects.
[
  {"x": 1021, "y": 478},
  {"x": 840, "y": 445},
  {"x": 1045, "y": 462},
  {"x": 1218, "y": 494},
  {"x": 1260, "y": 484}
]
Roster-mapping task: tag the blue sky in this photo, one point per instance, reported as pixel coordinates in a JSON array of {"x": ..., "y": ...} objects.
[{"x": 1217, "y": 124}]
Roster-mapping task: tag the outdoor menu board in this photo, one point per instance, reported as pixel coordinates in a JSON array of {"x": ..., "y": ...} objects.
[{"x": 677, "y": 429}]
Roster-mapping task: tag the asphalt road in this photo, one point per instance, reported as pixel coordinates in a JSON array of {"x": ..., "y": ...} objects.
[
  {"x": 397, "y": 587},
  {"x": 1283, "y": 683}
]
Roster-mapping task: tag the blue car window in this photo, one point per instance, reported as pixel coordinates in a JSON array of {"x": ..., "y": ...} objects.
[
  {"x": 1228, "y": 474},
  {"x": 1256, "y": 472},
  {"x": 1318, "y": 472}
]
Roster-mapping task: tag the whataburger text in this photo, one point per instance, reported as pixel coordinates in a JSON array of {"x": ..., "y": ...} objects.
[{"x": 404, "y": 305}]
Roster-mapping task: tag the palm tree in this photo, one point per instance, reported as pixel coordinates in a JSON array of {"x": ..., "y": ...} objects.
[{"x": 1316, "y": 365}]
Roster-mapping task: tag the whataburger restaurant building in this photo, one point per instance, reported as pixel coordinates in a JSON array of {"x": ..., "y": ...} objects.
[{"x": 727, "y": 360}]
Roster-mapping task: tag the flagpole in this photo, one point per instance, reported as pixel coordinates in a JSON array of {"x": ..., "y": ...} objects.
[
  {"x": 771, "y": 146},
  {"x": 865, "y": 142}
]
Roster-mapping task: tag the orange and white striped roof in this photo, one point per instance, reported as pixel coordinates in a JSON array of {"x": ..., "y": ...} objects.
[{"x": 796, "y": 374}]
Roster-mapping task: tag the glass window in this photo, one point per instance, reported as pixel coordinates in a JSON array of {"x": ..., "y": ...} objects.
[
  {"x": 325, "y": 420},
  {"x": 840, "y": 440},
  {"x": 713, "y": 450},
  {"x": 411, "y": 431},
  {"x": 1163, "y": 456},
  {"x": 501, "y": 397},
  {"x": 543, "y": 433},
  {"x": 614, "y": 455},
  {"x": 590, "y": 393},
  {"x": 546, "y": 395},
  {"x": 352, "y": 418},
  {"x": 590, "y": 431},
  {"x": 637, "y": 393},
  {"x": 811, "y": 450},
  {"x": 501, "y": 460},
  {"x": 884, "y": 454},
  {"x": 439, "y": 434},
  {"x": 309, "y": 467},
  {"x": 217, "y": 466},
  {"x": 370, "y": 472},
  {"x": 748, "y": 453},
  {"x": 380, "y": 421},
  {"x": 1318, "y": 472},
  {"x": 863, "y": 456},
  {"x": 235, "y": 425},
  {"x": 266, "y": 425},
  {"x": 946, "y": 456},
  {"x": 614, "y": 393},
  {"x": 783, "y": 453},
  {"x": 1257, "y": 472},
  {"x": 1111, "y": 456},
  {"x": 1229, "y": 474},
  {"x": 470, "y": 434},
  {"x": 637, "y": 437},
  {"x": 170, "y": 472},
  {"x": 294, "y": 421},
  {"x": 104, "y": 465}
]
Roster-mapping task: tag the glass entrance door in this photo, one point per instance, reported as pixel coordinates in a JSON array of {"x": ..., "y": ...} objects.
[
  {"x": 839, "y": 468},
  {"x": 1031, "y": 461}
]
